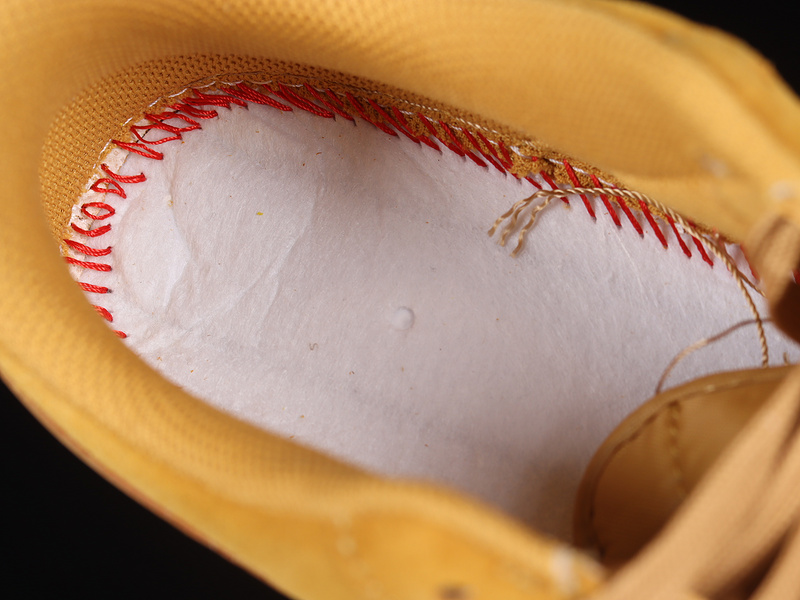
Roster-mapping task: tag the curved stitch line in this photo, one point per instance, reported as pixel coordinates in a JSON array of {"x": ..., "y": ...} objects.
[
  {"x": 188, "y": 109},
  {"x": 109, "y": 210},
  {"x": 122, "y": 178},
  {"x": 688, "y": 395},
  {"x": 112, "y": 187},
  {"x": 674, "y": 450},
  {"x": 86, "y": 250},
  {"x": 328, "y": 104},
  {"x": 476, "y": 126}
]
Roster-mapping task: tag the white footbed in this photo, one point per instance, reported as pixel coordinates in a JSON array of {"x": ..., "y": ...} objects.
[{"x": 333, "y": 284}]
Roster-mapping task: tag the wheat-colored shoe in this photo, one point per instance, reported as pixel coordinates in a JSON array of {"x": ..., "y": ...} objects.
[{"x": 322, "y": 367}]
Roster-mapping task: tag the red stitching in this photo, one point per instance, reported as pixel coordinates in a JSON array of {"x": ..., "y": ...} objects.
[
  {"x": 188, "y": 110},
  {"x": 159, "y": 122},
  {"x": 88, "y": 265},
  {"x": 629, "y": 213},
  {"x": 103, "y": 312},
  {"x": 678, "y": 236},
  {"x": 392, "y": 122},
  {"x": 112, "y": 187},
  {"x": 194, "y": 111},
  {"x": 796, "y": 274},
  {"x": 606, "y": 202},
  {"x": 157, "y": 126},
  {"x": 477, "y": 146},
  {"x": 192, "y": 125},
  {"x": 422, "y": 138},
  {"x": 552, "y": 185},
  {"x": 221, "y": 100},
  {"x": 432, "y": 130},
  {"x": 288, "y": 95},
  {"x": 123, "y": 178},
  {"x": 327, "y": 103},
  {"x": 460, "y": 146},
  {"x": 94, "y": 289},
  {"x": 574, "y": 179},
  {"x": 656, "y": 229},
  {"x": 363, "y": 114},
  {"x": 490, "y": 146},
  {"x": 91, "y": 232},
  {"x": 335, "y": 99},
  {"x": 102, "y": 206},
  {"x": 86, "y": 250},
  {"x": 699, "y": 245},
  {"x": 140, "y": 149},
  {"x": 531, "y": 180},
  {"x": 509, "y": 163},
  {"x": 247, "y": 93}
]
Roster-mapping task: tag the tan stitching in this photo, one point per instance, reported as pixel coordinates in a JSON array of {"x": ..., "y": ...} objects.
[
  {"x": 713, "y": 245},
  {"x": 674, "y": 449},
  {"x": 689, "y": 394}
]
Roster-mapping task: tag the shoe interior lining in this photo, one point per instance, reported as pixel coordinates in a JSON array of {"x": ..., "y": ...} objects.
[{"x": 334, "y": 284}]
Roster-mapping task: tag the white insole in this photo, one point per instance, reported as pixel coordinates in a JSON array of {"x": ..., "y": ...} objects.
[{"x": 336, "y": 285}]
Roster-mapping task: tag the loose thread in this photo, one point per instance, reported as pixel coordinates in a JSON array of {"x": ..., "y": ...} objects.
[
  {"x": 702, "y": 344},
  {"x": 514, "y": 213},
  {"x": 645, "y": 201},
  {"x": 389, "y": 120}
]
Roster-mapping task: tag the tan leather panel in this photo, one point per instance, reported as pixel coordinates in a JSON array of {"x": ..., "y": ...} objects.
[{"x": 657, "y": 456}]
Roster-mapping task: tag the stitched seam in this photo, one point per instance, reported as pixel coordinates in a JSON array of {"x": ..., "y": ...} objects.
[
  {"x": 525, "y": 152},
  {"x": 674, "y": 449},
  {"x": 688, "y": 395},
  {"x": 190, "y": 105}
]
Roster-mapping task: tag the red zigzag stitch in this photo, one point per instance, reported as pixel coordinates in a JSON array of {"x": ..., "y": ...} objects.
[{"x": 191, "y": 109}]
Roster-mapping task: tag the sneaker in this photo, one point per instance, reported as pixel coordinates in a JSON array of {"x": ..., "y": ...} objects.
[{"x": 318, "y": 361}]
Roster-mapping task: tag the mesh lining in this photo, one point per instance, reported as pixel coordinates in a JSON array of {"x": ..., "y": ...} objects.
[{"x": 78, "y": 139}]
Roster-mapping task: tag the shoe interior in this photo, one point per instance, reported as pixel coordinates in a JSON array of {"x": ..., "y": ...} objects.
[{"x": 313, "y": 274}]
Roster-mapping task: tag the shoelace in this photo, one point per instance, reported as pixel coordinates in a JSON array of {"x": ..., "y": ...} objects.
[{"x": 744, "y": 518}]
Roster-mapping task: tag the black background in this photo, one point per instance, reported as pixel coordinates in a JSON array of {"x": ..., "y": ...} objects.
[{"x": 66, "y": 531}]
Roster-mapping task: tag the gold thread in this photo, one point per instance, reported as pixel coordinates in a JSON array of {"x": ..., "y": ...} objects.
[
  {"x": 702, "y": 344},
  {"x": 712, "y": 245}
]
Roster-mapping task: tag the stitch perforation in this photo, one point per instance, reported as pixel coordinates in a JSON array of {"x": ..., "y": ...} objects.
[{"x": 674, "y": 450}]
